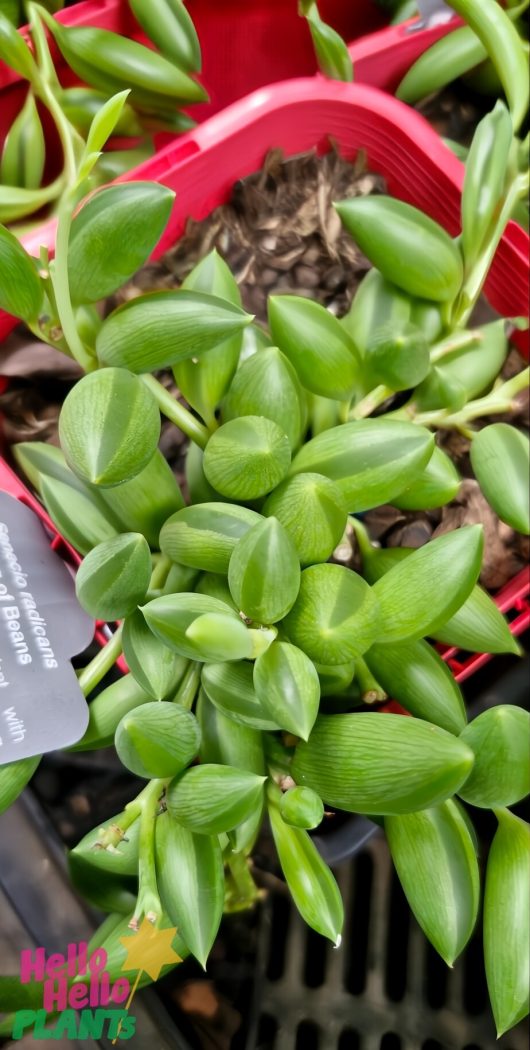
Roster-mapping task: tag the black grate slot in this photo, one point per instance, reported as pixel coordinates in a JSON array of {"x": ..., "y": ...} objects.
[
  {"x": 281, "y": 911},
  {"x": 349, "y": 1040},
  {"x": 475, "y": 993},
  {"x": 315, "y": 959},
  {"x": 358, "y": 929},
  {"x": 307, "y": 1036},
  {"x": 431, "y": 1044},
  {"x": 267, "y": 1032},
  {"x": 396, "y": 955},
  {"x": 436, "y": 979},
  {"x": 391, "y": 1041}
]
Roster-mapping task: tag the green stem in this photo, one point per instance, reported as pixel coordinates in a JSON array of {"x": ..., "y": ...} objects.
[
  {"x": 148, "y": 902},
  {"x": 246, "y": 892},
  {"x": 42, "y": 51},
  {"x": 61, "y": 283},
  {"x": 187, "y": 690},
  {"x": 499, "y": 401},
  {"x": 92, "y": 674},
  {"x": 173, "y": 410},
  {"x": 455, "y": 341},
  {"x": 361, "y": 535},
  {"x": 371, "y": 691},
  {"x": 368, "y": 404},
  {"x": 160, "y": 572}
]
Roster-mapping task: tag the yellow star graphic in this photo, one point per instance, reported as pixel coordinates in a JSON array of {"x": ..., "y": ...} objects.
[{"x": 149, "y": 949}]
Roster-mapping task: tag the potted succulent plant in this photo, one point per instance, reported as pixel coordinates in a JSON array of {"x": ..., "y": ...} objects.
[{"x": 247, "y": 647}]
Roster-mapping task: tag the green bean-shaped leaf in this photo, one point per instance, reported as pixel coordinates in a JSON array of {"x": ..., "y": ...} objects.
[
  {"x": 428, "y": 586},
  {"x": 219, "y": 637},
  {"x": 505, "y": 48},
  {"x": 376, "y": 302},
  {"x": 145, "y": 502},
  {"x": 122, "y": 860},
  {"x": 13, "y": 778},
  {"x": 501, "y": 773},
  {"x": 204, "y": 380},
  {"x": 382, "y": 764},
  {"x": 158, "y": 739},
  {"x": 21, "y": 290},
  {"x": 478, "y": 626},
  {"x": 215, "y": 586},
  {"x": 438, "y": 484},
  {"x": 506, "y": 921},
  {"x": 486, "y": 173},
  {"x": 109, "y": 426},
  {"x": 247, "y": 457},
  {"x": 107, "y": 710},
  {"x": 230, "y": 687},
  {"x": 399, "y": 359},
  {"x": 160, "y": 329},
  {"x": 191, "y": 883},
  {"x": 77, "y": 516},
  {"x": 169, "y": 25},
  {"x": 112, "y": 236},
  {"x": 311, "y": 883},
  {"x": 24, "y": 151},
  {"x": 500, "y": 457},
  {"x": 336, "y": 615},
  {"x": 331, "y": 50},
  {"x": 266, "y": 384},
  {"x": 444, "y": 61},
  {"x": 408, "y": 247},
  {"x": 473, "y": 368},
  {"x": 231, "y": 744},
  {"x": 264, "y": 572},
  {"x": 114, "y": 577},
  {"x": 170, "y": 616},
  {"x": 312, "y": 511},
  {"x": 370, "y": 460},
  {"x": 210, "y": 799},
  {"x": 414, "y": 674},
  {"x": 288, "y": 687},
  {"x": 204, "y": 536},
  {"x": 14, "y": 50},
  {"x": 156, "y": 668},
  {"x": 316, "y": 344},
  {"x": 435, "y": 858},
  {"x": 302, "y": 808}
]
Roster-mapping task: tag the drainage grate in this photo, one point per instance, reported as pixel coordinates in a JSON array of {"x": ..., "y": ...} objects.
[{"x": 384, "y": 989}]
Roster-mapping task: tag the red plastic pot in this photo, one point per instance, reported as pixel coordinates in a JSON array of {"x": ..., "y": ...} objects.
[
  {"x": 297, "y": 116},
  {"x": 382, "y": 58}
]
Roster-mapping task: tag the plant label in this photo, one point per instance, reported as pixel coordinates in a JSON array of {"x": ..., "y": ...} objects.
[{"x": 41, "y": 627}]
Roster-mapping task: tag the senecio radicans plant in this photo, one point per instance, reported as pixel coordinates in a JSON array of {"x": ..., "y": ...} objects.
[{"x": 250, "y": 652}]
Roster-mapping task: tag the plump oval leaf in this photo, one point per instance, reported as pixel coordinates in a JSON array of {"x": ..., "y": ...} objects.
[
  {"x": 428, "y": 586},
  {"x": 370, "y": 460},
  {"x": 109, "y": 427},
  {"x": 190, "y": 880},
  {"x": 264, "y": 572},
  {"x": 288, "y": 687},
  {"x": 157, "y": 669},
  {"x": 414, "y": 674},
  {"x": 399, "y": 359},
  {"x": 107, "y": 710},
  {"x": 500, "y": 457},
  {"x": 266, "y": 384},
  {"x": 77, "y": 515},
  {"x": 162, "y": 328},
  {"x": 301, "y": 808},
  {"x": 220, "y": 637},
  {"x": 170, "y": 617},
  {"x": 325, "y": 358},
  {"x": 204, "y": 536},
  {"x": 112, "y": 236},
  {"x": 158, "y": 739},
  {"x": 501, "y": 773},
  {"x": 376, "y": 302},
  {"x": 204, "y": 380},
  {"x": 13, "y": 778},
  {"x": 312, "y": 511},
  {"x": 437, "y": 484},
  {"x": 382, "y": 764},
  {"x": 114, "y": 577},
  {"x": 230, "y": 687},
  {"x": 311, "y": 884},
  {"x": 436, "y": 861},
  {"x": 246, "y": 458},
  {"x": 21, "y": 290},
  {"x": 408, "y": 247},
  {"x": 210, "y": 799},
  {"x": 506, "y": 921},
  {"x": 336, "y": 615},
  {"x": 478, "y": 626}
]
